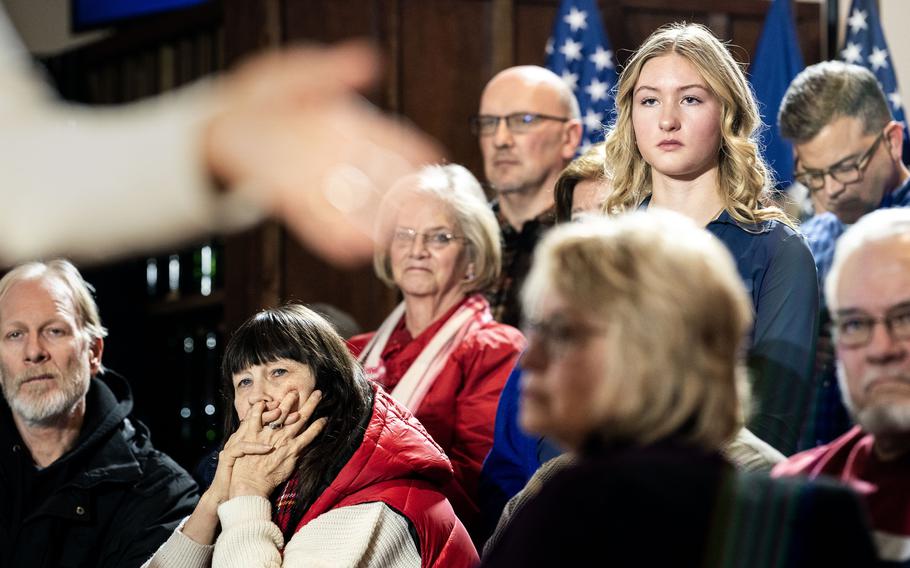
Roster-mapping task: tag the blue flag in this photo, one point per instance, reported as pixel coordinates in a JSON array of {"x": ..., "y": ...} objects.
[
  {"x": 865, "y": 45},
  {"x": 777, "y": 61},
  {"x": 580, "y": 53}
]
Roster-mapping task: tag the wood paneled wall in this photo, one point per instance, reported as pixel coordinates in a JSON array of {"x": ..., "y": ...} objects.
[
  {"x": 143, "y": 58},
  {"x": 439, "y": 54}
]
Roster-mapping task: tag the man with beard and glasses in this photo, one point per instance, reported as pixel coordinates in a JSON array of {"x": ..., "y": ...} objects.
[
  {"x": 82, "y": 484},
  {"x": 868, "y": 292},
  {"x": 529, "y": 128}
]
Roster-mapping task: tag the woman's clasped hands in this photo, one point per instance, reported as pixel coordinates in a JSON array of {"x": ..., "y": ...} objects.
[
  {"x": 257, "y": 458},
  {"x": 263, "y": 451}
]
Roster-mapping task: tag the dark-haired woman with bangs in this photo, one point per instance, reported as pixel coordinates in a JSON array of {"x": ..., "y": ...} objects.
[{"x": 321, "y": 468}]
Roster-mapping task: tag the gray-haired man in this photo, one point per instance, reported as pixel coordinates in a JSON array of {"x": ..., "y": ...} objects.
[{"x": 83, "y": 485}]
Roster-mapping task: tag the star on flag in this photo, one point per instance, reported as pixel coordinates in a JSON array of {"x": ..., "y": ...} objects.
[
  {"x": 577, "y": 19},
  {"x": 571, "y": 49},
  {"x": 602, "y": 58},
  {"x": 592, "y": 120},
  {"x": 857, "y": 21},
  {"x": 866, "y": 45},
  {"x": 570, "y": 79},
  {"x": 853, "y": 53},
  {"x": 579, "y": 52},
  {"x": 878, "y": 59},
  {"x": 597, "y": 90}
]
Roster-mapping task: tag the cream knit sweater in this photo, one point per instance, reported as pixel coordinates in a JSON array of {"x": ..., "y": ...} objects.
[{"x": 370, "y": 535}]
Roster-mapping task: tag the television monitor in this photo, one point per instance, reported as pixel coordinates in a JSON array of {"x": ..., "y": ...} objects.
[{"x": 91, "y": 14}]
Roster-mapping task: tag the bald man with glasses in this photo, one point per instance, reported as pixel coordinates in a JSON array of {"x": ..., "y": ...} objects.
[
  {"x": 848, "y": 154},
  {"x": 529, "y": 129},
  {"x": 868, "y": 292}
]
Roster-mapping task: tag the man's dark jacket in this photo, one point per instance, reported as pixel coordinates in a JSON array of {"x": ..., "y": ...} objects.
[{"x": 109, "y": 502}]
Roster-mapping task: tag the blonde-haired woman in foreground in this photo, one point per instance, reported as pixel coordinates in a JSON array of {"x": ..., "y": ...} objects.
[{"x": 633, "y": 364}]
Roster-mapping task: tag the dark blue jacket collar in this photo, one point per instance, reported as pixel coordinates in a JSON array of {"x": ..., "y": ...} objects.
[
  {"x": 900, "y": 197},
  {"x": 726, "y": 219}
]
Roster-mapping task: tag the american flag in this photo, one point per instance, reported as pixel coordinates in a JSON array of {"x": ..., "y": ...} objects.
[
  {"x": 865, "y": 45},
  {"x": 777, "y": 61},
  {"x": 580, "y": 53}
]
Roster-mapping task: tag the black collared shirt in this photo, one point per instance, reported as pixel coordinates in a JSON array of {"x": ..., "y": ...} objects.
[{"x": 517, "y": 253}]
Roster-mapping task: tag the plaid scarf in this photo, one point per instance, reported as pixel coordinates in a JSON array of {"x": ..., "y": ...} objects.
[
  {"x": 517, "y": 253},
  {"x": 285, "y": 502}
]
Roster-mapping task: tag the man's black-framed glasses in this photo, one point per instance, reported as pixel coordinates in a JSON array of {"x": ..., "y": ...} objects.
[
  {"x": 855, "y": 329},
  {"x": 517, "y": 122},
  {"x": 845, "y": 172}
]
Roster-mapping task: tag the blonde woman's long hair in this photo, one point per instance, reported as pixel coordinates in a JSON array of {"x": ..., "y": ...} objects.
[{"x": 742, "y": 173}]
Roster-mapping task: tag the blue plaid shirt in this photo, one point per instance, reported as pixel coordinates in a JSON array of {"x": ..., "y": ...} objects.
[
  {"x": 824, "y": 230},
  {"x": 830, "y": 418}
]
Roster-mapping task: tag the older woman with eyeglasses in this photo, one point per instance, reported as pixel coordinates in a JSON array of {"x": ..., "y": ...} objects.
[
  {"x": 440, "y": 353},
  {"x": 634, "y": 363}
]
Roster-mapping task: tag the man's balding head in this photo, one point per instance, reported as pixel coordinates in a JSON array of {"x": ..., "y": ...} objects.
[
  {"x": 528, "y": 158},
  {"x": 536, "y": 77}
]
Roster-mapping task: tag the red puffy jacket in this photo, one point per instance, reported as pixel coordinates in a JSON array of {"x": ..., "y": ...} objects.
[{"x": 400, "y": 465}]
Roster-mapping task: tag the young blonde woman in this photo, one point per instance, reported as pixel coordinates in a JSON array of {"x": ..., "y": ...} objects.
[{"x": 684, "y": 140}]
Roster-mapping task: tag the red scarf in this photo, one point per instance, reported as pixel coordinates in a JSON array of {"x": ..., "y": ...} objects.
[{"x": 282, "y": 509}]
